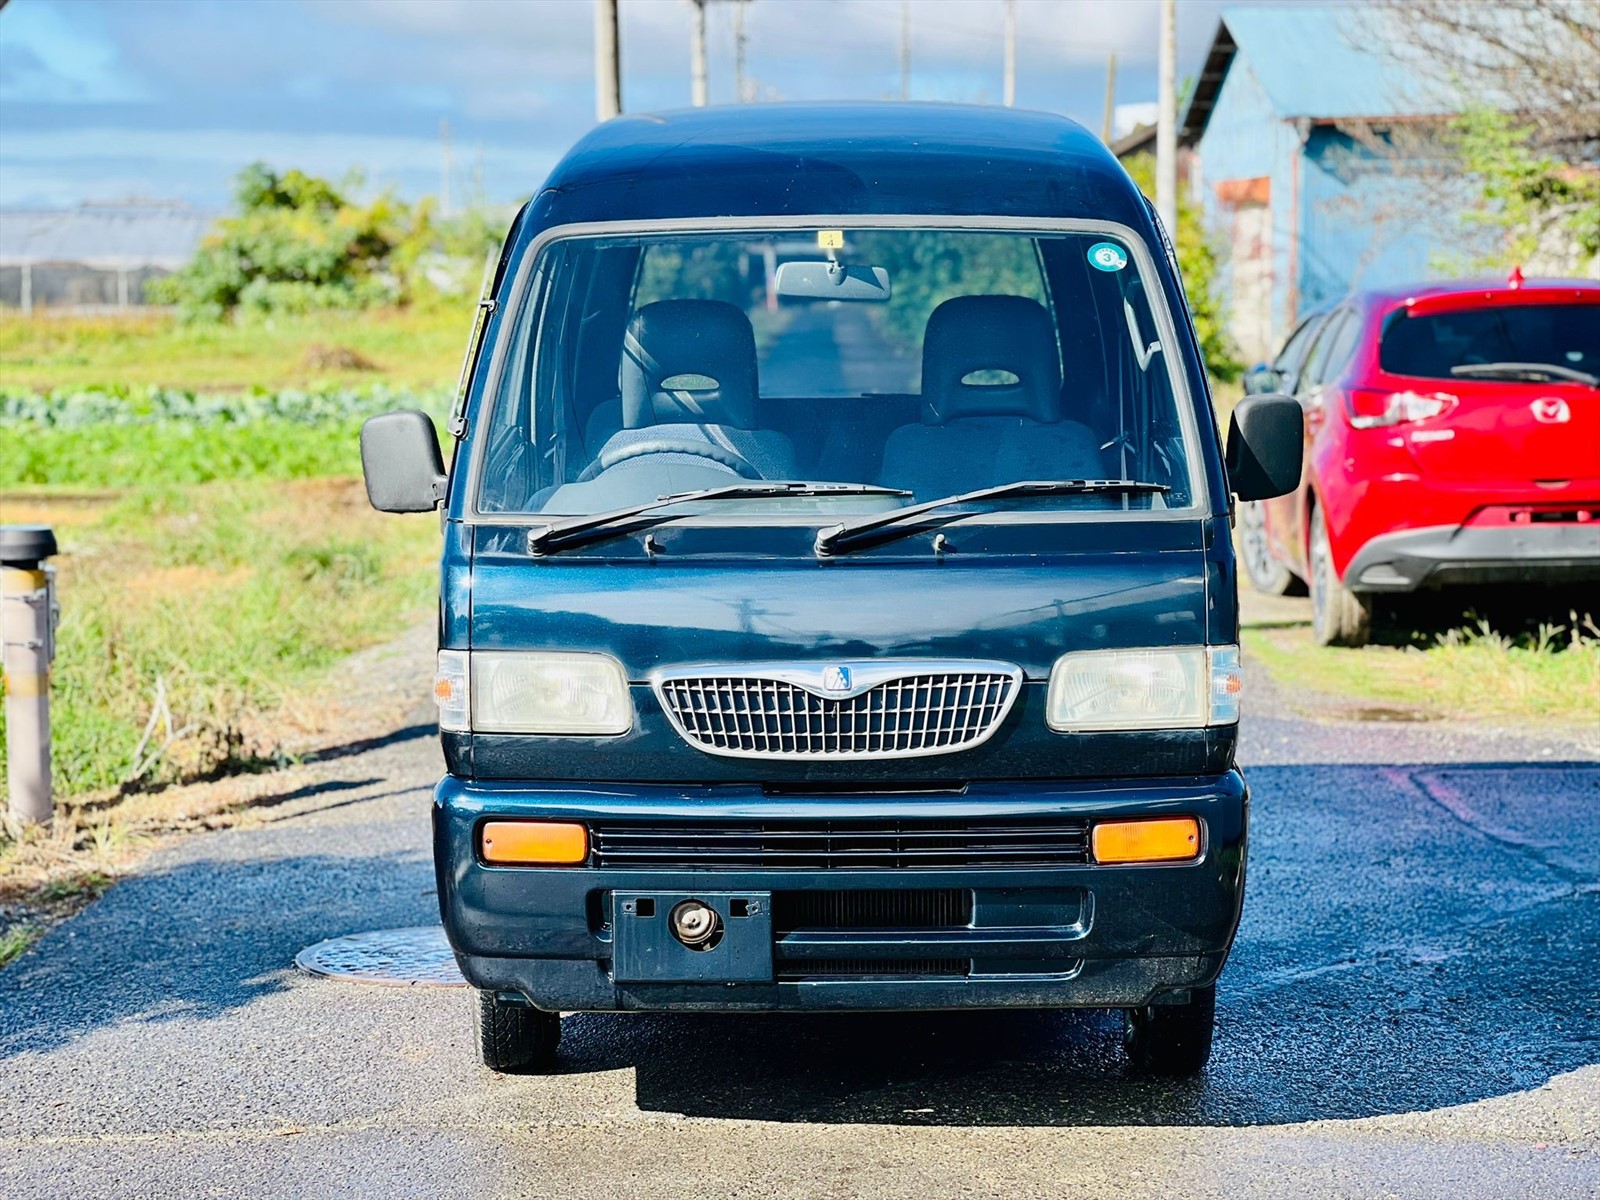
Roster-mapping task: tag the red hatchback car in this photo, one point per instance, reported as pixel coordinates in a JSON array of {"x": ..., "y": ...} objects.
[{"x": 1452, "y": 437}]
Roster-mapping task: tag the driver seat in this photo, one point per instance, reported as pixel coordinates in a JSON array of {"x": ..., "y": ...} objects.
[{"x": 688, "y": 380}]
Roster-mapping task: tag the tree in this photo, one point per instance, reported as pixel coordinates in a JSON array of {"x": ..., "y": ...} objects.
[
  {"x": 297, "y": 243},
  {"x": 1525, "y": 75},
  {"x": 1197, "y": 263}
]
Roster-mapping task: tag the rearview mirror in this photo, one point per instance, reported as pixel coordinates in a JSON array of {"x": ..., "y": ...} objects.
[
  {"x": 832, "y": 281},
  {"x": 1266, "y": 438},
  {"x": 401, "y": 463}
]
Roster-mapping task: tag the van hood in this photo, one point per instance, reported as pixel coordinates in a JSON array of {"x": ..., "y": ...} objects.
[{"x": 1087, "y": 586}]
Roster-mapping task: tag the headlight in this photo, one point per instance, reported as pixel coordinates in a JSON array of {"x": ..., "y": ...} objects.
[
  {"x": 517, "y": 692},
  {"x": 1187, "y": 687}
]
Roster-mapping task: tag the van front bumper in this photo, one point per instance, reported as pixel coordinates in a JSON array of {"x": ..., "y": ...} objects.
[{"x": 839, "y": 936}]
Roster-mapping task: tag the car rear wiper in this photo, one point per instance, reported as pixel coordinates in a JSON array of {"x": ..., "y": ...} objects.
[
  {"x": 840, "y": 538},
  {"x": 593, "y": 527},
  {"x": 1514, "y": 369}
]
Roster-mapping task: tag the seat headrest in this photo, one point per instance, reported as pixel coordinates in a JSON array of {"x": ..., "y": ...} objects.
[
  {"x": 1006, "y": 344},
  {"x": 689, "y": 361}
]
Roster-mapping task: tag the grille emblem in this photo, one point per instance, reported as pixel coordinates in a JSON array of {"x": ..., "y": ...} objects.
[
  {"x": 1552, "y": 410},
  {"x": 836, "y": 679}
]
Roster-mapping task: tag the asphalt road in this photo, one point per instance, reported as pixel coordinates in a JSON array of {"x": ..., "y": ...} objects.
[{"x": 1412, "y": 1009}]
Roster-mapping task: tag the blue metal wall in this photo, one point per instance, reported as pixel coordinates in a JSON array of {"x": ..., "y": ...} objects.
[
  {"x": 1354, "y": 217},
  {"x": 1370, "y": 218}
]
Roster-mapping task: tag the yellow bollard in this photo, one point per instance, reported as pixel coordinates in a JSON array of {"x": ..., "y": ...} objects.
[{"x": 27, "y": 632}]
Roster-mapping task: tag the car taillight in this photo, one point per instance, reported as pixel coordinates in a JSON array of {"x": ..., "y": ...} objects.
[{"x": 1370, "y": 409}]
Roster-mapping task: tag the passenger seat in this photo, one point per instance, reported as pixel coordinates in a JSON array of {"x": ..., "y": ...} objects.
[{"x": 991, "y": 404}]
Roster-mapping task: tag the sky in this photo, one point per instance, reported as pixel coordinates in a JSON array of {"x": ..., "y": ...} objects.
[{"x": 168, "y": 99}]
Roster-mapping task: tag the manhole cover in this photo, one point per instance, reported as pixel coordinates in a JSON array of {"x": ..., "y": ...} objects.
[{"x": 418, "y": 957}]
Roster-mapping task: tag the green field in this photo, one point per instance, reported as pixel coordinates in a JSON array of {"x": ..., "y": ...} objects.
[{"x": 410, "y": 348}]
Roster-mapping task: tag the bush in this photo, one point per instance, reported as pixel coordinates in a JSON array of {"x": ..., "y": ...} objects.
[{"x": 299, "y": 244}]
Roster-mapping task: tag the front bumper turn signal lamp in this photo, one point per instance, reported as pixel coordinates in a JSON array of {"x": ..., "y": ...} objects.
[
  {"x": 1162, "y": 839},
  {"x": 533, "y": 843}
]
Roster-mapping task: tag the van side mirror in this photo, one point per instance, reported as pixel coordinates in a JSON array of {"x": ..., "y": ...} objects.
[
  {"x": 401, "y": 463},
  {"x": 1266, "y": 438}
]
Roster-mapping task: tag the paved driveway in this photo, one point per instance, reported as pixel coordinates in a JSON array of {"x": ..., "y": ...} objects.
[{"x": 1411, "y": 1010}]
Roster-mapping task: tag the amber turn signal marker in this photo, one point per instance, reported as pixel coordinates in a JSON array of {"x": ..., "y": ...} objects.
[
  {"x": 534, "y": 843},
  {"x": 1165, "y": 839}
]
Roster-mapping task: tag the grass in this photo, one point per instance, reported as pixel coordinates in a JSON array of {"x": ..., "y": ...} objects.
[
  {"x": 198, "y": 626},
  {"x": 1550, "y": 673},
  {"x": 408, "y": 348},
  {"x": 15, "y": 939},
  {"x": 200, "y": 608}
]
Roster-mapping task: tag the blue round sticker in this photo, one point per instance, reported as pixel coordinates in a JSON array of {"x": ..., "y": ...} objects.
[{"x": 1107, "y": 256}]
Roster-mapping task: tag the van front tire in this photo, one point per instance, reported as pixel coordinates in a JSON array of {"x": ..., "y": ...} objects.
[
  {"x": 515, "y": 1039},
  {"x": 1172, "y": 1039}
]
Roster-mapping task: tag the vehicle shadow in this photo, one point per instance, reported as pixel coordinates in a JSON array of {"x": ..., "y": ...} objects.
[{"x": 1414, "y": 938}]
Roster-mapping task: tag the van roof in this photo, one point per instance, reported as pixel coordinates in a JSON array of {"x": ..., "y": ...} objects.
[{"x": 844, "y": 159}]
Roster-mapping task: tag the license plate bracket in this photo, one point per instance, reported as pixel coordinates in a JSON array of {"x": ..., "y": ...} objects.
[{"x": 644, "y": 949}]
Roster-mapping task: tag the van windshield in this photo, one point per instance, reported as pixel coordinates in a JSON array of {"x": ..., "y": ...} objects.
[{"x": 929, "y": 361}]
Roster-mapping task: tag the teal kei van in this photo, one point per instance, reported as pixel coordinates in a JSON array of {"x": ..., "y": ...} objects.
[{"x": 837, "y": 608}]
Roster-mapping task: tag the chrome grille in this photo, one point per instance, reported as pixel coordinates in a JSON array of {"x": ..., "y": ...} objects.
[{"x": 892, "y": 710}]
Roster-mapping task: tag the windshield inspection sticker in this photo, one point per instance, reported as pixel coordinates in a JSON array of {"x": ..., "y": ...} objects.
[
  {"x": 1107, "y": 256},
  {"x": 830, "y": 239}
]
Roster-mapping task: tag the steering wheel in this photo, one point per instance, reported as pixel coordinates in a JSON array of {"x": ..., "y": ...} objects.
[{"x": 611, "y": 458}]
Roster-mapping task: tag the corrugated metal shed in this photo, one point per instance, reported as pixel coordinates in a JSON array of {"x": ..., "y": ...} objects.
[
  {"x": 106, "y": 237},
  {"x": 1313, "y": 61}
]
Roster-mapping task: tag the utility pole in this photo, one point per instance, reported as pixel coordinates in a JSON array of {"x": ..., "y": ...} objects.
[
  {"x": 697, "y": 57},
  {"x": 741, "y": 88},
  {"x": 1011, "y": 54},
  {"x": 905, "y": 49},
  {"x": 607, "y": 61},
  {"x": 1111, "y": 97},
  {"x": 1167, "y": 122},
  {"x": 444, "y": 168}
]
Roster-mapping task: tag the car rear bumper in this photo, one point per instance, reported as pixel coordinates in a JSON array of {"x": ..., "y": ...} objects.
[
  {"x": 883, "y": 935},
  {"x": 1454, "y": 554}
]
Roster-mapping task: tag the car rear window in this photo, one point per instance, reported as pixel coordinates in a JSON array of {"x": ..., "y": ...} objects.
[{"x": 1436, "y": 344}]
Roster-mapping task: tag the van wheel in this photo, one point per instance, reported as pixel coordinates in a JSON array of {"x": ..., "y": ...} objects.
[
  {"x": 1265, "y": 573},
  {"x": 1172, "y": 1039},
  {"x": 1339, "y": 617},
  {"x": 515, "y": 1038}
]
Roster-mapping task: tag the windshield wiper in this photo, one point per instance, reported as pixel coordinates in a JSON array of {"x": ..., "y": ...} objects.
[
  {"x": 593, "y": 527},
  {"x": 840, "y": 538},
  {"x": 1514, "y": 369}
]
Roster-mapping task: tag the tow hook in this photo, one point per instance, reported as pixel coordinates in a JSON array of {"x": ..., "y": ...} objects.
[{"x": 696, "y": 924}]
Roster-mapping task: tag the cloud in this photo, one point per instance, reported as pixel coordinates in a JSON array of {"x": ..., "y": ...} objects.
[
  {"x": 50, "y": 56},
  {"x": 164, "y": 93}
]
